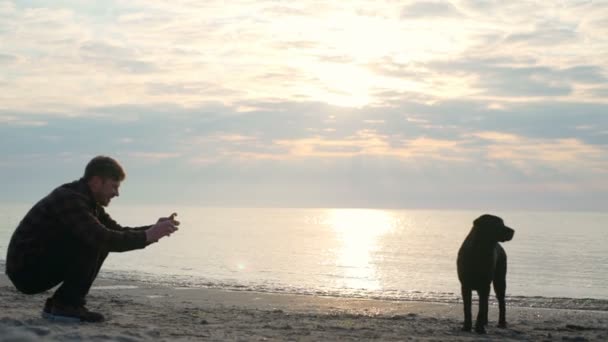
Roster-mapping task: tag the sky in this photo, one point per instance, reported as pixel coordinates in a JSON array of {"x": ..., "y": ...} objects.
[{"x": 462, "y": 104}]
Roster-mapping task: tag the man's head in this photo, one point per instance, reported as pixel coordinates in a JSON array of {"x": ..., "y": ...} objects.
[{"x": 103, "y": 175}]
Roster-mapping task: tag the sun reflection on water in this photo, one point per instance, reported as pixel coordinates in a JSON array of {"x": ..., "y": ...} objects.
[{"x": 358, "y": 230}]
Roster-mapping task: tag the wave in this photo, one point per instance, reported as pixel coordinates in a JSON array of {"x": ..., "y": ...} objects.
[
  {"x": 388, "y": 295},
  {"x": 180, "y": 281}
]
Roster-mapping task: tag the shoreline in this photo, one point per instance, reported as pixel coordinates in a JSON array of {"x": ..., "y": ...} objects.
[
  {"x": 142, "y": 311},
  {"x": 140, "y": 279},
  {"x": 523, "y": 301}
]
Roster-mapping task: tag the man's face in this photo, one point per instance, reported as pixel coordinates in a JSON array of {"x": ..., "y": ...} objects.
[{"x": 104, "y": 190}]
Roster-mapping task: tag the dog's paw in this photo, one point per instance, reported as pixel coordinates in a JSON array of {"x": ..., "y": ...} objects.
[{"x": 502, "y": 325}]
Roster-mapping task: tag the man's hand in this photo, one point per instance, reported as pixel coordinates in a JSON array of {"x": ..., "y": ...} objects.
[
  {"x": 171, "y": 217},
  {"x": 165, "y": 226}
]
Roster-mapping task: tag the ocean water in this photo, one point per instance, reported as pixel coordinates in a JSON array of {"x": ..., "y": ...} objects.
[{"x": 556, "y": 259}]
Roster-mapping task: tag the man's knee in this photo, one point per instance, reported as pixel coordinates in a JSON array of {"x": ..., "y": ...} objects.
[
  {"x": 20, "y": 285},
  {"x": 26, "y": 284},
  {"x": 28, "y": 290}
]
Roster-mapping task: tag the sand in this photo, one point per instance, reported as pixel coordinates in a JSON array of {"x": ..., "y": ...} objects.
[{"x": 147, "y": 312}]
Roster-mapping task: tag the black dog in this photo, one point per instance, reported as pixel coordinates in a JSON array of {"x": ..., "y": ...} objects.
[{"x": 482, "y": 261}]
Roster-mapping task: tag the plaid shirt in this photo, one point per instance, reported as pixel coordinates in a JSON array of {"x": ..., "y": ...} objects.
[{"x": 68, "y": 212}]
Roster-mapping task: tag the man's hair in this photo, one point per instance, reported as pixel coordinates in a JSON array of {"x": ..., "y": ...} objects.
[{"x": 104, "y": 167}]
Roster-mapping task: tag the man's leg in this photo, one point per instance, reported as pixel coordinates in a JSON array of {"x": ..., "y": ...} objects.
[
  {"x": 81, "y": 269},
  {"x": 69, "y": 263},
  {"x": 80, "y": 273},
  {"x": 39, "y": 273},
  {"x": 67, "y": 304}
]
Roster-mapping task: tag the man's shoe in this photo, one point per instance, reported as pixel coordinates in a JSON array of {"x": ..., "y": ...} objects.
[{"x": 69, "y": 313}]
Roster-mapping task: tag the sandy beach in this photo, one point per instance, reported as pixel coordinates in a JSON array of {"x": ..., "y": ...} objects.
[{"x": 144, "y": 312}]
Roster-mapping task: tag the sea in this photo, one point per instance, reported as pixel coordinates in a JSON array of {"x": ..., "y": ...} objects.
[{"x": 556, "y": 259}]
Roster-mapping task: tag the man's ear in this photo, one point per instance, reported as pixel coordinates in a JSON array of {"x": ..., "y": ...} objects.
[{"x": 95, "y": 182}]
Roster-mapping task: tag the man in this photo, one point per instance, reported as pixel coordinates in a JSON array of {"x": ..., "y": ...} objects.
[{"x": 65, "y": 238}]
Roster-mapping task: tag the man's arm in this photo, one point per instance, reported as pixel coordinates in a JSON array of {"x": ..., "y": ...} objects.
[
  {"x": 109, "y": 222},
  {"x": 165, "y": 226},
  {"x": 75, "y": 214}
]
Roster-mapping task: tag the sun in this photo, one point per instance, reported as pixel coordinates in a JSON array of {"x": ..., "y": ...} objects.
[
  {"x": 346, "y": 85},
  {"x": 358, "y": 231}
]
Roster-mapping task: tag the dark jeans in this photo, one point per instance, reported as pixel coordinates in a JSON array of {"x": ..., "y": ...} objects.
[{"x": 70, "y": 263}]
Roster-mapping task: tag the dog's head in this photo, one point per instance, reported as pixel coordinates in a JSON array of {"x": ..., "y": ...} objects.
[{"x": 492, "y": 228}]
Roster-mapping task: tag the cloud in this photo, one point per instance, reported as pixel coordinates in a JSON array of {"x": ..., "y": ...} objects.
[
  {"x": 562, "y": 153},
  {"x": 549, "y": 36},
  {"x": 12, "y": 120},
  {"x": 589, "y": 74},
  {"x": 242, "y": 51},
  {"x": 7, "y": 59},
  {"x": 411, "y": 129},
  {"x": 504, "y": 77},
  {"x": 389, "y": 67},
  {"x": 481, "y": 5},
  {"x": 153, "y": 156},
  {"x": 599, "y": 91},
  {"x": 297, "y": 44},
  {"x": 100, "y": 54},
  {"x": 366, "y": 156},
  {"x": 312, "y": 100},
  {"x": 336, "y": 59},
  {"x": 432, "y": 9},
  {"x": 190, "y": 88},
  {"x": 288, "y": 11}
]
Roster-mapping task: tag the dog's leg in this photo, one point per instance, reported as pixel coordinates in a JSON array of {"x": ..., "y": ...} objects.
[
  {"x": 482, "y": 314},
  {"x": 467, "y": 293},
  {"x": 500, "y": 286}
]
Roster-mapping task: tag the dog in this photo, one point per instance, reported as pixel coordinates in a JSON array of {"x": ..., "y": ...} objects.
[{"x": 481, "y": 262}]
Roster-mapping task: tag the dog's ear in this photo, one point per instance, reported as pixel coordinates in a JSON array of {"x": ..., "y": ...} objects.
[
  {"x": 487, "y": 220},
  {"x": 481, "y": 230}
]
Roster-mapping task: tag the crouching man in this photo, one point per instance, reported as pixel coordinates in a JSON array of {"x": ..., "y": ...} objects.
[{"x": 66, "y": 236}]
